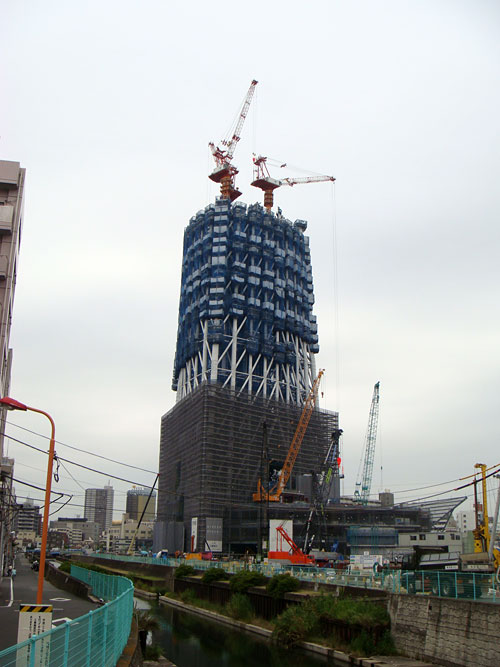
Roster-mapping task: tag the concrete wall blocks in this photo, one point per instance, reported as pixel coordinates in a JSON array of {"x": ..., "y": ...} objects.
[{"x": 454, "y": 633}]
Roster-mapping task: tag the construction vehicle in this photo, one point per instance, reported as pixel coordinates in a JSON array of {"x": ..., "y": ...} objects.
[
  {"x": 365, "y": 472},
  {"x": 451, "y": 574},
  {"x": 264, "y": 181},
  {"x": 225, "y": 171},
  {"x": 274, "y": 494},
  {"x": 293, "y": 554}
]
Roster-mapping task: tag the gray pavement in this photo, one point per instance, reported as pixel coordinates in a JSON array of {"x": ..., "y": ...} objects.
[{"x": 24, "y": 586}]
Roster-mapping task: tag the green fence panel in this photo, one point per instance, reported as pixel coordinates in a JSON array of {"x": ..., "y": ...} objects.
[{"x": 94, "y": 640}]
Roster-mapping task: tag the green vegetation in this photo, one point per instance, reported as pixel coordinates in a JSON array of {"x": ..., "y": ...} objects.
[
  {"x": 240, "y": 608},
  {"x": 281, "y": 584},
  {"x": 153, "y": 652},
  {"x": 314, "y": 617},
  {"x": 146, "y": 623},
  {"x": 184, "y": 571},
  {"x": 189, "y": 597},
  {"x": 214, "y": 574},
  {"x": 242, "y": 581}
]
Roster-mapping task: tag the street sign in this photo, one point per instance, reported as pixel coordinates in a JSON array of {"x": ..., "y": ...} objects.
[{"x": 33, "y": 620}]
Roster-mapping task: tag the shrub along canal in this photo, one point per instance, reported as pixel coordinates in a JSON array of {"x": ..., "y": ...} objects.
[{"x": 187, "y": 639}]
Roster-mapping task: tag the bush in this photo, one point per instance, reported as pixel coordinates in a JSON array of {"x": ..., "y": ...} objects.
[
  {"x": 189, "y": 596},
  {"x": 294, "y": 625},
  {"x": 240, "y": 607},
  {"x": 363, "y": 644},
  {"x": 214, "y": 574},
  {"x": 153, "y": 652},
  {"x": 385, "y": 645},
  {"x": 281, "y": 584},
  {"x": 241, "y": 582},
  {"x": 184, "y": 571},
  {"x": 65, "y": 566}
]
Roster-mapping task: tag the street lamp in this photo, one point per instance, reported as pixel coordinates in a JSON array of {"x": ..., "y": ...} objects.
[{"x": 12, "y": 404}]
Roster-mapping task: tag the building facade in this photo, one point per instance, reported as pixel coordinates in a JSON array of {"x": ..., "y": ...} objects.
[
  {"x": 99, "y": 506},
  {"x": 28, "y": 517},
  {"x": 245, "y": 358},
  {"x": 12, "y": 177},
  {"x": 139, "y": 501}
]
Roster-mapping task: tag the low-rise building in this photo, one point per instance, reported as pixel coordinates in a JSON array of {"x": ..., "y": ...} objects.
[{"x": 118, "y": 537}]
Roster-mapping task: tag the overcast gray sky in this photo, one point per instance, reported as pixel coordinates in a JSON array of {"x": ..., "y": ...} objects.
[{"x": 110, "y": 107}]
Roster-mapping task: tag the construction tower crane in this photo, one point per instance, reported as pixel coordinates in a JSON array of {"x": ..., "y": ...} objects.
[
  {"x": 274, "y": 494},
  {"x": 364, "y": 481},
  {"x": 264, "y": 181},
  {"x": 225, "y": 171}
]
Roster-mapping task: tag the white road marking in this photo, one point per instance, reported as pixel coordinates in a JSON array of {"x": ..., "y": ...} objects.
[{"x": 60, "y": 599}]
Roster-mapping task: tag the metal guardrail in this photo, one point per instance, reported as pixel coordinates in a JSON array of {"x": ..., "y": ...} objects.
[
  {"x": 475, "y": 586},
  {"x": 96, "y": 639}
]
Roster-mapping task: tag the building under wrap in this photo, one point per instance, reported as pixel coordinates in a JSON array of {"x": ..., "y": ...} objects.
[{"x": 247, "y": 339}]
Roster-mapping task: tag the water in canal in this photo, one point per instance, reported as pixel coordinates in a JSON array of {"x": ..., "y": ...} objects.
[{"x": 189, "y": 640}]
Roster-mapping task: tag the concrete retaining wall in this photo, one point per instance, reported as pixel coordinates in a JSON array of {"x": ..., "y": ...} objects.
[
  {"x": 454, "y": 633},
  {"x": 66, "y": 582}
]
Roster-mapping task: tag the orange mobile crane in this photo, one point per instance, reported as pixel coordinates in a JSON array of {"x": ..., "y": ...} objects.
[
  {"x": 295, "y": 555},
  {"x": 274, "y": 494}
]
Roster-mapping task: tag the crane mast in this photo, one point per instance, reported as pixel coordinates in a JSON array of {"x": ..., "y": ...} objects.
[{"x": 363, "y": 484}]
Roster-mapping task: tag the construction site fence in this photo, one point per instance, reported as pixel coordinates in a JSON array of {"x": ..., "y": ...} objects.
[
  {"x": 96, "y": 639},
  {"x": 471, "y": 585}
]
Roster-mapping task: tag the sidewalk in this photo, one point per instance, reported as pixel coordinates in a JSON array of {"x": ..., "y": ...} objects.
[{"x": 66, "y": 605}]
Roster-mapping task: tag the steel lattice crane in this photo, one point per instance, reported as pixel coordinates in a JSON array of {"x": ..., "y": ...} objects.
[
  {"x": 364, "y": 481},
  {"x": 264, "y": 181},
  {"x": 225, "y": 171},
  {"x": 274, "y": 494}
]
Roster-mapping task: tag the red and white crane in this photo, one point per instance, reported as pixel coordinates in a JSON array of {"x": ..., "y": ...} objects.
[
  {"x": 264, "y": 181},
  {"x": 225, "y": 171}
]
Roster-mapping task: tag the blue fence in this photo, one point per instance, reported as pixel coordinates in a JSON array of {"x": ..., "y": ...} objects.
[
  {"x": 475, "y": 586},
  {"x": 96, "y": 639}
]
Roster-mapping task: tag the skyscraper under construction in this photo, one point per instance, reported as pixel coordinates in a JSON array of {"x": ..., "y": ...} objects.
[{"x": 245, "y": 358}]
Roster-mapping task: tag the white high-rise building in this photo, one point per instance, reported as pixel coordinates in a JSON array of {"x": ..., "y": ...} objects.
[{"x": 99, "y": 506}]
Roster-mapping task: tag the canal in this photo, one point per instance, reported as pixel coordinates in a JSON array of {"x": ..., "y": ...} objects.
[{"x": 188, "y": 639}]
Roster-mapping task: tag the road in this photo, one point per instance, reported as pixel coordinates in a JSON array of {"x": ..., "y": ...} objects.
[{"x": 23, "y": 590}]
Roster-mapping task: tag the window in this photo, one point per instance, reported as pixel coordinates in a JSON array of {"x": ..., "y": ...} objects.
[
  {"x": 441, "y": 537},
  {"x": 413, "y": 537},
  {"x": 421, "y": 536}
]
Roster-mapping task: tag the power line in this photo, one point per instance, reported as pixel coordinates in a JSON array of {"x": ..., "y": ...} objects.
[
  {"x": 78, "y": 449},
  {"x": 80, "y": 465}
]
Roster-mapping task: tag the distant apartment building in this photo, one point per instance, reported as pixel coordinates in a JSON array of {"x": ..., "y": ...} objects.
[
  {"x": 28, "y": 517},
  {"x": 138, "y": 500},
  {"x": 11, "y": 214},
  {"x": 99, "y": 506},
  {"x": 80, "y": 531}
]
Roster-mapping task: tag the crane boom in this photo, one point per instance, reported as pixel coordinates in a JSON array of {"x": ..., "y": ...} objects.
[
  {"x": 274, "y": 494},
  {"x": 306, "y": 179},
  {"x": 231, "y": 144},
  {"x": 363, "y": 485},
  {"x": 265, "y": 182},
  {"x": 225, "y": 171}
]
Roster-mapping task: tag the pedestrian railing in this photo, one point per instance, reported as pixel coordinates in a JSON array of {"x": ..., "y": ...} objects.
[{"x": 94, "y": 640}]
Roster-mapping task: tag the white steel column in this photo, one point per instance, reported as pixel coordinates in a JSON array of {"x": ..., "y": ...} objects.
[
  {"x": 234, "y": 350},
  {"x": 215, "y": 363},
  {"x": 205, "y": 351}
]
